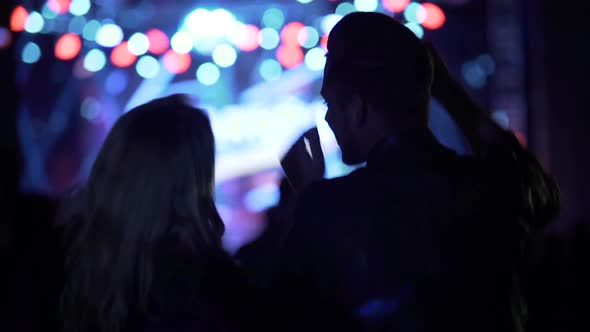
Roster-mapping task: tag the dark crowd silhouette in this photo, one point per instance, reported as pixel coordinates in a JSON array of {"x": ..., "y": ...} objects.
[{"x": 418, "y": 239}]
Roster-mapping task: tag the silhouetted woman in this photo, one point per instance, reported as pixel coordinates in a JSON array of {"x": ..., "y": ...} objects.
[{"x": 143, "y": 236}]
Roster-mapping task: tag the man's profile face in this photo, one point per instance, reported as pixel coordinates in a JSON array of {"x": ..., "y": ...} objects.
[{"x": 342, "y": 115}]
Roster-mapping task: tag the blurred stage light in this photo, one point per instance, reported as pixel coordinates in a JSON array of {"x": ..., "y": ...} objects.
[
  {"x": 177, "y": 63},
  {"x": 77, "y": 25},
  {"x": 90, "y": 108},
  {"x": 435, "y": 17},
  {"x": 315, "y": 59},
  {"x": 5, "y": 37},
  {"x": 31, "y": 53},
  {"x": 474, "y": 74},
  {"x": 224, "y": 56},
  {"x": 415, "y": 13},
  {"x": 366, "y": 5},
  {"x": 159, "y": 41},
  {"x": 262, "y": 197},
  {"x": 308, "y": 37},
  {"x": 148, "y": 67},
  {"x": 329, "y": 21},
  {"x": 245, "y": 37},
  {"x": 290, "y": 32},
  {"x": 416, "y": 29},
  {"x": 34, "y": 23},
  {"x": 182, "y": 42},
  {"x": 290, "y": 56},
  {"x": 95, "y": 60},
  {"x": 59, "y": 6},
  {"x": 90, "y": 30},
  {"x": 222, "y": 21},
  {"x": 116, "y": 82},
  {"x": 138, "y": 44},
  {"x": 270, "y": 70},
  {"x": 18, "y": 19},
  {"x": 48, "y": 13},
  {"x": 395, "y": 6},
  {"x": 487, "y": 63},
  {"x": 208, "y": 74},
  {"x": 304, "y": 1},
  {"x": 324, "y": 42},
  {"x": 197, "y": 21},
  {"x": 80, "y": 7},
  {"x": 273, "y": 18},
  {"x": 68, "y": 46},
  {"x": 268, "y": 38},
  {"x": 345, "y": 8},
  {"x": 109, "y": 35},
  {"x": 121, "y": 57}
]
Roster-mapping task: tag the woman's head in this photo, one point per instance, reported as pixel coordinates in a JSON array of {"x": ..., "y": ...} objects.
[{"x": 151, "y": 183}]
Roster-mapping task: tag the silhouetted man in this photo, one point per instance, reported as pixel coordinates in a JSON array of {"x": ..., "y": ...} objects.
[{"x": 420, "y": 239}]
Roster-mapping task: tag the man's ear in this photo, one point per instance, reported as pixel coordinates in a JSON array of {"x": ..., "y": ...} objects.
[{"x": 360, "y": 109}]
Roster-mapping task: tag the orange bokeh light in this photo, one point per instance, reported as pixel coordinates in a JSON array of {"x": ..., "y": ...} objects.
[
  {"x": 177, "y": 63},
  {"x": 435, "y": 17},
  {"x": 395, "y": 6},
  {"x": 59, "y": 6},
  {"x": 159, "y": 41},
  {"x": 249, "y": 40},
  {"x": 18, "y": 19},
  {"x": 290, "y": 32},
  {"x": 290, "y": 55},
  {"x": 121, "y": 57},
  {"x": 68, "y": 46}
]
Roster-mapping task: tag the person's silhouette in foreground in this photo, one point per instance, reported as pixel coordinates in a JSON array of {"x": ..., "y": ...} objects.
[
  {"x": 420, "y": 239},
  {"x": 143, "y": 235}
]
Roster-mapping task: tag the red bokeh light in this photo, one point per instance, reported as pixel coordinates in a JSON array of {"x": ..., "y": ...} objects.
[
  {"x": 435, "y": 17},
  {"x": 177, "y": 63},
  {"x": 395, "y": 6},
  {"x": 121, "y": 57},
  {"x": 324, "y": 42},
  {"x": 68, "y": 46},
  {"x": 290, "y": 55},
  {"x": 59, "y": 6},
  {"x": 290, "y": 32},
  {"x": 159, "y": 41},
  {"x": 249, "y": 40},
  {"x": 18, "y": 19}
]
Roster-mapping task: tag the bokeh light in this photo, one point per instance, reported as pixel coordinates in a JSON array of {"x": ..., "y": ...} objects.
[
  {"x": 18, "y": 19},
  {"x": 324, "y": 42},
  {"x": 48, "y": 13},
  {"x": 59, "y": 6},
  {"x": 304, "y": 1},
  {"x": 416, "y": 29},
  {"x": 95, "y": 60},
  {"x": 366, "y": 5},
  {"x": 138, "y": 44},
  {"x": 80, "y": 7},
  {"x": 90, "y": 108},
  {"x": 308, "y": 37},
  {"x": 290, "y": 32},
  {"x": 435, "y": 17},
  {"x": 122, "y": 57},
  {"x": 224, "y": 56},
  {"x": 269, "y": 38},
  {"x": 34, "y": 23},
  {"x": 90, "y": 30},
  {"x": 415, "y": 13},
  {"x": 182, "y": 42},
  {"x": 68, "y": 46},
  {"x": 208, "y": 73},
  {"x": 290, "y": 56},
  {"x": 315, "y": 59},
  {"x": 177, "y": 63},
  {"x": 116, "y": 82},
  {"x": 77, "y": 25},
  {"x": 474, "y": 74},
  {"x": 395, "y": 6},
  {"x": 270, "y": 70},
  {"x": 329, "y": 21},
  {"x": 109, "y": 35},
  {"x": 159, "y": 41},
  {"x": 245, "y": 37},
  {"x": 273, "y": 18},
  {"x": 5, "y": 38},
  {"x": 345, "y": 8},
  {"x": 147, "y": 67},
  {"x": 487, "y": 63},
  {"x": 31, "y": 53}
]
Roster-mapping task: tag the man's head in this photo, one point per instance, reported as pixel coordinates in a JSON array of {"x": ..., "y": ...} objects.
[{"x": 376, "y": 82}]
